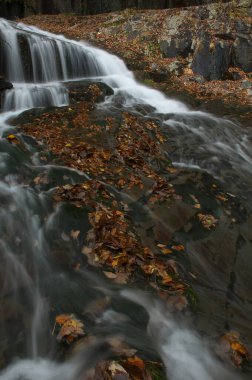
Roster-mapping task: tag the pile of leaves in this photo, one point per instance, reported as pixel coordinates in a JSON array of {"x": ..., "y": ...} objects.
[{"x": 112, "y": 242}]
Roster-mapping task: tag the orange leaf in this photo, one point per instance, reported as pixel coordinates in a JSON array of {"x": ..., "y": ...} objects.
[
  {"x": 71, "y": 327},
  {"x": 236, "y": 346},
  {"x": 62, "y": 318},
  {"x": 136, "y": 362}
]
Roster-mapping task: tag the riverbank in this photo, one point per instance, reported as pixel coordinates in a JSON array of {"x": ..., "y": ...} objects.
[{"x": 200, "y": 54}]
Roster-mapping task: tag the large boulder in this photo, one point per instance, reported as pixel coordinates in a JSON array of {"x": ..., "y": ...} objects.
[{"x": 212, "y": 58}]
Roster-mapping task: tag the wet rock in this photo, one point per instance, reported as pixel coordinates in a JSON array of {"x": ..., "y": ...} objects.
[
  {"x": 4, "y": 84},
  {"x": 196, "y": 79},
  {"x": 88, "y": 91},
  {"x": 246, "y": 84},
  {"x": 212, "y": 58},
  {"x": 177, "y": 45},
  {"x": 175, "y": 68},
  {"x": 159, "y": 76},
  {"x": 234, "y": 75}
]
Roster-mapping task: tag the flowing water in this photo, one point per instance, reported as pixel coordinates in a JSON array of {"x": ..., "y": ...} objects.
[{"x": 34, "y": 287}]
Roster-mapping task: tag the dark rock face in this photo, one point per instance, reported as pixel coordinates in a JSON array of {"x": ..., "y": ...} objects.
[
  {"x": 5, "y": 85},
  {"x": 243, "y": 53},
  {"x": 88, "y": 91},
  {"x": 212, "y": 59},
  {"x": 243, "y": 46},
  {"x": 179, "y": 45}
]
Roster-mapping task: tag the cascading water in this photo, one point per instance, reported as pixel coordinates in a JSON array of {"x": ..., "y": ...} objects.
[{"x": 39, "y": 65}]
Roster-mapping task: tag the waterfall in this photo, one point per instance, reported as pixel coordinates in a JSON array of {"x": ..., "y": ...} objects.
[{"x": 39, "y": 65}]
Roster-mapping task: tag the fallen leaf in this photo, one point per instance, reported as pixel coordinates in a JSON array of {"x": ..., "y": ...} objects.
[
  {"x": 71, "y": 327},
  {"x": 86, "y": 250},
  {"x": 178, "y": 248},
  {"x": 166, "y": 251},
  {"x": 208, "y": 221},
  {"x": 237, "y": 346},
  {"x": 136, "y": 362},
  {"x": 116, "y": 368},
  {"x": 221, "y": 198},
  {"x": 75, "y": 234},
  {"x": 110, "y": 275},
  {"x": 11, "y": 137}
]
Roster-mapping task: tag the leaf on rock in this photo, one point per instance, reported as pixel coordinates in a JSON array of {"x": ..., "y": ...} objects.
[
  {"x": 207, "y": 221},
  {"x": 71, "y": 327},
  {"x": 110, "y": 275},
  {"x": 75, "y": 234},
  {"x": 136, "y": 362},
  {"x": 115, "y": 368},
  {"x": 178, "y": 248}
]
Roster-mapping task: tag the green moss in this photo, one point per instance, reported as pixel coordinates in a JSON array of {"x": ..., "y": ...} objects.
[
  {"x": 149, "y": 82},
  {"x": 156, "y": 371},
  {"x": 154, "y": 48}
]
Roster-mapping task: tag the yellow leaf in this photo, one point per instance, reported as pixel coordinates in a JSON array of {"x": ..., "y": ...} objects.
[
  {"x": 68, "y": 145},
  {"x": 197, "y": 205},
  {"x": 236, "y": 346},
  {"x": 115, "y": 263},
  {"x": 11, "y": 137},
  {"x": 166, "y": 251}
]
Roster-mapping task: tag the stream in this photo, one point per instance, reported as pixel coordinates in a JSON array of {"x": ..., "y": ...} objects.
[{"x": 35, "y": 287}]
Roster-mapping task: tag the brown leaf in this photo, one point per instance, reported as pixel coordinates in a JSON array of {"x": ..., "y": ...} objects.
[
  {"x": 71, "y": 327},
  {"x": 116, "y": 368},
  {"x": 110, "y": 275},
  {"x": 208, "y": 221},
  {"x": 75, "y": 234}
]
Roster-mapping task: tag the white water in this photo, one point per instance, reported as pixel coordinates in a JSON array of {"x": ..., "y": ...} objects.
[
  {"x": 53, "y": 61},
  {"x": 54, "y": 58}
]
